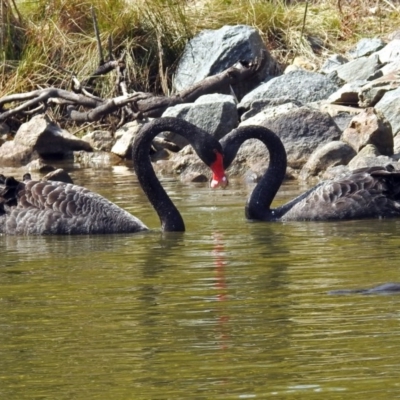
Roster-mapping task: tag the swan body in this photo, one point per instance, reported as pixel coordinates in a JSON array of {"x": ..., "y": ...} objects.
[
  {"x": 48, "y": 207},
  {"x": 56, "y": 208},
  {"x": 364, "y": 193}
]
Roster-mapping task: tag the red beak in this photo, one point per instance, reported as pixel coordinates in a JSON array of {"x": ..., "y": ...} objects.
[{"x": 219, "y": 178}]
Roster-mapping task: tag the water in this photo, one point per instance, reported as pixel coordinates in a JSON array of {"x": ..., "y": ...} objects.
[{"x": 227, "y": 310}]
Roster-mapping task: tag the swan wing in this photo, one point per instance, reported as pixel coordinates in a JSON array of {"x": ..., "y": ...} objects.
[
  {"x": 48, "y": 207},
  {"x": 366, "y": 193}
]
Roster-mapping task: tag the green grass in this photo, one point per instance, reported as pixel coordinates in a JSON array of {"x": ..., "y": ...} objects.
[{"x": 43, "y": 42}]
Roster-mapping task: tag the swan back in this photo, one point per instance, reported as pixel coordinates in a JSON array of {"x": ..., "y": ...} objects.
[
  {"x": 48, "y": 207},
  {"x": 364, "y": 193}
]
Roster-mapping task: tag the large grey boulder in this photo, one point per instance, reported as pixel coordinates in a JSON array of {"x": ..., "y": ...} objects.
[
  {"x": 58, "y": 175},
  {"x": 13, "y": 154},
  {"x": 390, "y": 53},
  {"x": 269, "y": 113},
  {"x": 124, "y": 138},
  {"x": 366, "y": 47},
  {"x": 333, "y": 63},
  {"x": 389, "y": 105},
  {"x": 342, "y": 120},
  {"x": 47, "y": 138},
  {"x": 369, "y": 156},
  {"x": 363, "y": 68},
  {"x": 40, "y": 138},
  {"x": 347, "y": 94},
  {"x": 213, "y": 51},
  {"x": 215, "y": 113},
  {"x": 391, "y": 67},
  {"x": 302, "y": 86},
  {"x": 301, "y": 131},
  {"x": 369, "y": 127},
  {"x": 373, "y": 91},
  {"x": 327, "y": 156},
  {"x": 100, "y": 140},
  {"x": 271, "y": 107}
]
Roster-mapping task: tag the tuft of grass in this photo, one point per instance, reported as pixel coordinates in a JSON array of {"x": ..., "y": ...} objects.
[{"x": 44, "y": 42}]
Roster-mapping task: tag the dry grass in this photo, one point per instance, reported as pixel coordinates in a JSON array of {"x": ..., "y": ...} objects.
[{"x": 44, "y": 42}]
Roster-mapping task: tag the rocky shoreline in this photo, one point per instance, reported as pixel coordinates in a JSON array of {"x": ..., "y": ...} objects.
[{"x": 343, "y": 117}]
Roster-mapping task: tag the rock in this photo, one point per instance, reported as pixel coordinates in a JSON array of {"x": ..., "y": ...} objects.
[
  {"x": 332, "y": 63},
  {"x": 160, "y": 144},
  {"x": 369, "y": 157},
  {"x": 39, "y": 165},
  {"x": 334, "y": 77},
  {"x": 389, "y": 105},
  {"x": 366, "y": 47},
  {"x": 396, "y": 144},
  {"x": 158, "y": 155},
  {"x": 362, "y": 68},
  {"x": 300, "y": 63},
  {"x": 187, "y": 164},
  {"x": 302, "y": 86},
  {"x": 100, "y": 140},
  {"x": 189, "y": 176},
  {"x": 369, "y": 127},
  {"x": 328, "y": 155},
  {"x": 258, "y": 106},
  {"x": 125, "y": 136},
  {"x": 269, "y": 113},
  {"x": 390, "y": 68},
  {"x": 394, "y": 35},
  {"x": 98, "y": 159},
  {"x": 391, "y": 52},
  {"x": 13, "y": 154},
  {"x": 39, "y": 138},
  {"x": 347, "y": 94},
  {"x": 213, "y": 51},
  {"x": 215, "y": 113},
  {"x": 373, "y": 91},
  {"x": 48, "y": 139},
  {"x": 179, "y": 111},
  {"x": 4, "y": 129},
  {"x": 301, "y": 131},
  {"x": 342, "y": 120},
  {"x": 58, "y": 175},
  {"x": 335, "y": 109}
]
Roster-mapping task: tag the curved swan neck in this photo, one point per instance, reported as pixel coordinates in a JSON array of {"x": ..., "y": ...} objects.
[
  {"x": 204, "y": 145},
  {"x": 259, "y": 203}
]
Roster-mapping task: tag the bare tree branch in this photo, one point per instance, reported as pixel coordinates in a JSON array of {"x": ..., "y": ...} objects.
[{"x": 140, "y": 104}]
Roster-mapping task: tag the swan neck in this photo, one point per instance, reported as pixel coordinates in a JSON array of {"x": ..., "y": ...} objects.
[
  {"x": 170, "y": 218},
  {"x": 258, "y": 206},
  {"x": 205, "y": 146}
]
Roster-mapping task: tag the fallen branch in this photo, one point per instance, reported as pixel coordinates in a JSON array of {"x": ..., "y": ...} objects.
[{"x": 142, "y": 104}]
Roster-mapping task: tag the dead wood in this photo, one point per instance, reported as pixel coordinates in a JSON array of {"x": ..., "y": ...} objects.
[{"x": 140, "y": 104}]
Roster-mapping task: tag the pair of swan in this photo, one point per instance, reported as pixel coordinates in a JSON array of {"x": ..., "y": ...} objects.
[{"x": 39, "y": 207}]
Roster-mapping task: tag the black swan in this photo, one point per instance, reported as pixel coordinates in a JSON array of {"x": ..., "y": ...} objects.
[
  {"x": 364, "y": 193},
  {"x": 385, "y": 288},
  {"x": 48, "y": 208}
]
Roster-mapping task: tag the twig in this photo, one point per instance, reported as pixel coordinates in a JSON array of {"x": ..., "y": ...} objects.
[
  {"x": 96, "y": 31},
  {"x": 304, "y": 21}
]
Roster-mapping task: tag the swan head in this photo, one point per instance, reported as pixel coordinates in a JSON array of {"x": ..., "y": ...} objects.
[{"x": 219, "y": 178}]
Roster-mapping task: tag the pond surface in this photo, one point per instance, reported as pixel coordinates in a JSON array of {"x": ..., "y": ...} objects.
[{"x": 227, "y": 310}]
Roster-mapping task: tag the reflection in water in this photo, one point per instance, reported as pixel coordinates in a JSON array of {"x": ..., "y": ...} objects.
[
  {"x": 221, "y": 287},
  {"x": 229, "y": 309}
]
